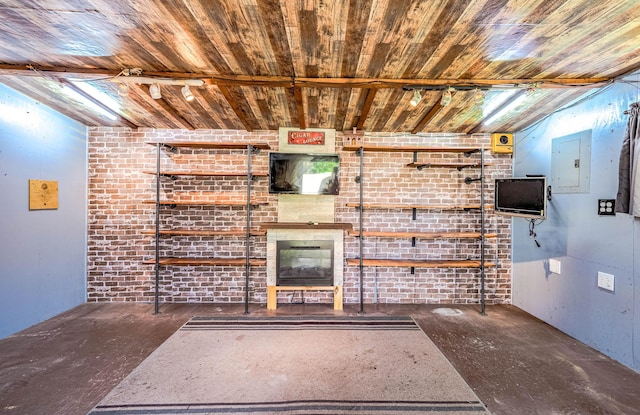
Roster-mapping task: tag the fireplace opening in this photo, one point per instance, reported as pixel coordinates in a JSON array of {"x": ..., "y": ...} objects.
[{"x": 304, "y": 263}]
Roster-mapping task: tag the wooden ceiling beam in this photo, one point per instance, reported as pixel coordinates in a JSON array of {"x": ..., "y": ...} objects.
[
  {"x": 141, "y": 96},
  {"x": 174, "y": 114},
  {"x": 305, "y": 82},
  {"x": 364, "y": 112},
  {"x": 236, "y": 107},
  {"x": 302, "y": 123},
  {"x": 427, "y": 117}
]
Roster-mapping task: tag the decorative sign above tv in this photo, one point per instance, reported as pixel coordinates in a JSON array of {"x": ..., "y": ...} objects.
[
  {"x": 314, "y": 138},
  {"x": 304, "y": 174}
]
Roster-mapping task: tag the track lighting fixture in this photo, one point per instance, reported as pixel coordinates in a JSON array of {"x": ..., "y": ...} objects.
[
  {"x": 131, "y": 76},
  {"x": 533, "y": 89},
  {"x": 478, "y": 98},
  {"x": 123, "y": 89},
  {"x": 415, "y": 100},
  {"x": 154, "y": 90},
  {"x": 186, "y": 93},
  {"x": 446, "y": 97}
]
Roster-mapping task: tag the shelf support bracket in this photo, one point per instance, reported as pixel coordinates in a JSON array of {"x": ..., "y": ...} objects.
[
  {"x": 167, "y": 147},
  {"x": 466, "y": 166}
]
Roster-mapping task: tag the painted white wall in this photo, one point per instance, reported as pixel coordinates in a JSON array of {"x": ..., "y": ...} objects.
[
  {"x": 42, "y": 252},
  {"x": 582, "y": 241}
]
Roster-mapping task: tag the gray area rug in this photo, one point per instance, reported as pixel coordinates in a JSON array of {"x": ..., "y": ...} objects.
[{"x": 294, "y": 365}]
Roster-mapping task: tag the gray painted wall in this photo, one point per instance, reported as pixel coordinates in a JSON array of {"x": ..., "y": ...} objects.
[
  {"x": 582, "y": 241},
  {"x": 43, "y": 252}
]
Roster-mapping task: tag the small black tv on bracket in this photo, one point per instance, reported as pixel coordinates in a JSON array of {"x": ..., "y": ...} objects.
[
  {"x": 304, "y": 174},
  {"x": 524, "y": 197}
]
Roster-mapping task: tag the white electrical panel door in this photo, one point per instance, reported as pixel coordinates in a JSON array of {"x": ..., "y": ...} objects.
[{"x": 571, "y": 163}]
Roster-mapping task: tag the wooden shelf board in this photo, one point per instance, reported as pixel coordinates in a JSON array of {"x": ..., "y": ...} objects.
[
  {"x": 401, "y": 207},
  {"x": 446, "y": 165},
  {"x": 208, "y": 145},
  {"x": 399, "y": 149},
  {"x": 257, "y": 262},
  {"x": 462, "y": 263},
  {"x": 202, "y": 173},
  {"x": 203, "y": 203},
  {"x": 200, "y": 232},
  {"x": 424, "y": 235},
  {"x": 305, "y": 225}
]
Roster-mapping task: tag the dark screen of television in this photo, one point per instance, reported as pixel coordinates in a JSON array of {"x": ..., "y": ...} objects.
[
  {"x": 521, "y": 195},
  {"x": 304, "y": 173}
]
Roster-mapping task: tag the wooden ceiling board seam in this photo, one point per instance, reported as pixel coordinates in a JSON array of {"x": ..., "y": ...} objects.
[
  {"x": 140, "y": 109},
  {"x": 444, "y": 21},
  {"x": 247, "y": 120},
  {"x": 190, "y": 37},
  {"x": 161, "y": 109},
  {"x": 358, "y": 18},
  {"x": 271, "y": 14},
  {"x": 220, "y": 110}
]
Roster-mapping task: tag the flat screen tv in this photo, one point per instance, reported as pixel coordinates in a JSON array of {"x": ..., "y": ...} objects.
[
  {"x": 304, "y": 174},
  {"x": 522, "y": 196}
]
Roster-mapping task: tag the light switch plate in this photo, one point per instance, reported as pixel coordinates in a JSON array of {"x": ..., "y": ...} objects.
[{"x": 555, "y": 266}]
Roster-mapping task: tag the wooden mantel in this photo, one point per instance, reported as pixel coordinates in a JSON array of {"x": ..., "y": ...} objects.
[{"x": 305, "y": 225}]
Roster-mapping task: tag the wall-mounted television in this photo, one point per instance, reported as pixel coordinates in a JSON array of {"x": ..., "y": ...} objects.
[
  {"x": 522, "y": 196},
  {"x": 304, "y": 174}
]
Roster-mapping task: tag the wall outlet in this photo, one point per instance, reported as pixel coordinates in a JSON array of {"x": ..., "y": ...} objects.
[
  {"x": 555, "y": 266},
  {"x": 605, "y": 281}
]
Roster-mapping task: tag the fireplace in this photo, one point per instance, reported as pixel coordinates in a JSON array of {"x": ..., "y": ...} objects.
[{"x": 304, "y": 263}]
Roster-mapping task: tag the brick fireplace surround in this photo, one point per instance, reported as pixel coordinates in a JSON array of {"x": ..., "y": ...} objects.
[{"x": 117, "y": 221}]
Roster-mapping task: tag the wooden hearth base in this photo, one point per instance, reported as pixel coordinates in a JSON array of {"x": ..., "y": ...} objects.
[{"x": 272, "y": 294}]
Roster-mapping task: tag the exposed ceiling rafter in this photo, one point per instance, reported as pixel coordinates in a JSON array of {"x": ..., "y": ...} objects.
[{"x": 306, "y": 82}]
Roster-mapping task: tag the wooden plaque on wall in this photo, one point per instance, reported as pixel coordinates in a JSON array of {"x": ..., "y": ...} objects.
[{"x": 43, "y": 194}]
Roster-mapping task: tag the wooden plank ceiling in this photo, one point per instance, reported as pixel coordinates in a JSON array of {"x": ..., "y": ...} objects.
[{"x": 339, "y": 64}]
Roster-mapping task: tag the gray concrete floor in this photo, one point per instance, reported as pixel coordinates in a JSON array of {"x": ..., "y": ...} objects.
[{"x": 515, "y": 363}]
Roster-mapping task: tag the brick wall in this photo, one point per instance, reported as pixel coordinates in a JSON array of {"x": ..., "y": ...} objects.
[{"x": 118, "y": 220}]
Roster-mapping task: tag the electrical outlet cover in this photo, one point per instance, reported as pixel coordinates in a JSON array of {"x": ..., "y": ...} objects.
[{"x": 605, "y": 281}]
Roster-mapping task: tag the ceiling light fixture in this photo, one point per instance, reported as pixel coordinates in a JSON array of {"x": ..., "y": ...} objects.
[
  {"x": 508, "y": 107},
  {"x": 75, "y": 95},
  {"x": 478, "y": 97},
  {"x": 123, "y": 89},
  {"x": 154, "y": 90},
  {"x": 534, "y": 88},
  {"x": 124, "y": 79},
  {"x": 446, "y": 97},
  {"x": 415, "y": 100},
  {"x": 186, "y": 93}
]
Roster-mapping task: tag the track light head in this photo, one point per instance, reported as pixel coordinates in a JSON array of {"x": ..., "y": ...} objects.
[
  {"x": 186, "y": 93},
  {"x": 154, "y": 90},
  {"x": 415, "y": 100},
  {"x": 123, "y": 89},
  {"x": 446, "y": 97},
  {"x": 478, "y": 97}
]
